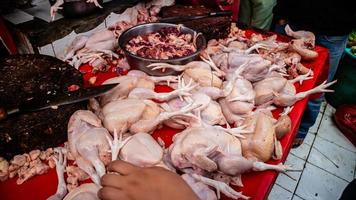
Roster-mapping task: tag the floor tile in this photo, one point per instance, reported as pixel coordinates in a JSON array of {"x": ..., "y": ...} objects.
[
  {"x": 323, "y": 105},
  {"x": 287, "y": 182},
  {"x": 309, "y": 139},
  {"x": 327, "y": 155},
  {"x": 315, "y": 127},
  {"x": 316, "y": 183},
  {"x": 329, "y": 110},
  {"x": 279, "y": 193},
  {"x": 330, "y": 132},
  {"x": 295, "y": 197},
  {"x": 302, "y": 151}
]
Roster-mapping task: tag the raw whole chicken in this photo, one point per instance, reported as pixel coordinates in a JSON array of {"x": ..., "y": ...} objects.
[
  {"x": 240, "y": 97},
  {"x": 282, "y": 92},
  {"x": 137, "y": 115},
  {"x": 211, "y": 149},
  {"x": 261, "y": 144},
  {"x": 303, "y": 44},
  {"x": 87, "y": 191},
  {"x": 143, "y": 151},
  {"x": 209, "y": 111},
  {"x": 88, "y": 143},
  {"x": 134, "y": 79},
  {"x": 199, "y": 71}
]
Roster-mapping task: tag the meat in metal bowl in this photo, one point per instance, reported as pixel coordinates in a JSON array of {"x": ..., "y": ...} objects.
[{"x": 140, "y": 62}]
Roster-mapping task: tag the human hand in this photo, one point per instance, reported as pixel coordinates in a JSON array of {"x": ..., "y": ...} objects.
[{"x": 128, "y": 182}]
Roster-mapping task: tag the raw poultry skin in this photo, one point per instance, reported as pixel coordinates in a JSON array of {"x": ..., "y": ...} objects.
[
  {"x": 199, "y": 71},
  {"x": 120, "y": 113},
  {"x": 88, "y": 143},
  {"x": 87, "y": 191},
  {"x": 201, "y": 190},
  {"x": 143, "y": 151},
  {"x": 134, "y": 79},
  {"x": 259, "y": 145},
  {"x": 212, "y": 149}
]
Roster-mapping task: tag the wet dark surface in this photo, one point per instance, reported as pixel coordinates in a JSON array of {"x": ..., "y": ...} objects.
[
  {"x": 38, "y": 130},
  {"x": 211, "y": 27},
  {"x": 27, "y": 76}
]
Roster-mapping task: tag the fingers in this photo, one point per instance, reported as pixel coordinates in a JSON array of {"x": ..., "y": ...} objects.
[
  {"x": 121, "y": 167},
  {"x": 109, "y": 193},
  {"x": 112, "y": 180}
]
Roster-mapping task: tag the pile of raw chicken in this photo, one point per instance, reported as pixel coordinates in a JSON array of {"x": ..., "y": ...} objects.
[
  {"x": 100, "y": 49},
  {"x": 166, "y": 43},
  {"x": 222, "y": 105}
]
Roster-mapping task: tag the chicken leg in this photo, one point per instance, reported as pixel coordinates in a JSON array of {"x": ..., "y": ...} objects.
[
  {"x": 61, "y": 163},
  {"x": 220, "y": 187},
  {"x": 117, "y": 144}
]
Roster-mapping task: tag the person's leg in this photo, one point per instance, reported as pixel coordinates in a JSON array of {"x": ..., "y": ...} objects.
[
  {"x": 245, "y": 12},
  {"x": 262, "y": 13},
  {"x": 308, "y": 120},
  {"x": 336, "y": 46}
]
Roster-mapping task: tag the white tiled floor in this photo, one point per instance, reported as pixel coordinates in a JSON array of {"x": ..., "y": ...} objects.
[{"x": 328, "y": 161}]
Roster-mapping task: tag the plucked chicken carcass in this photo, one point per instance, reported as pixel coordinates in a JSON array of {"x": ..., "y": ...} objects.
[
  {"x": 282, "y": 92},
  {"x": 137, "y": 115},
  {"x": 261, "y": 144},
  {"x": 303, "y": 44},
  {"x": 199, "y": 71},
  {"x": 209, "y": 111},
  {"x": 240, "y": 98},
  {"x": 87, "y": 191},
  {"x": 139, "y": 149},
  {"x": 133, "y": 80},
  {"x": 209, "y": 149},
  {"x": 88, "y": 143}
]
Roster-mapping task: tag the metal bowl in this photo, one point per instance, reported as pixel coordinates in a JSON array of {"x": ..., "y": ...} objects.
[{"x": 140, "y": 63}]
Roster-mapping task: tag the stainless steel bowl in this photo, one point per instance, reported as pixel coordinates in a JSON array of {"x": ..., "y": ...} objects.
[{"x": 140, "y": 63}]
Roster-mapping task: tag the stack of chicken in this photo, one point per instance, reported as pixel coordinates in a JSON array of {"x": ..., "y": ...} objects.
[{"x": 238, "y": 83}]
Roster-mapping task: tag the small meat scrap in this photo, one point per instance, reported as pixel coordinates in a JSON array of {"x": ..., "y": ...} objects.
[{"x": 4, "y": 169}]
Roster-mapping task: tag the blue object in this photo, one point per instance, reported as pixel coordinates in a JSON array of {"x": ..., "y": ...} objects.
[{"x": 348, "y": 52}]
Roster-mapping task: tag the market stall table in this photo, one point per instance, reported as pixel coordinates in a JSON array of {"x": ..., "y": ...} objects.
[{"x": 256, "y": 184}]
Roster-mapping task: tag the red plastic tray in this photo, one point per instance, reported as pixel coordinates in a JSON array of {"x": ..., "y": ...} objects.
[{"x": 256, "y": 184}]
